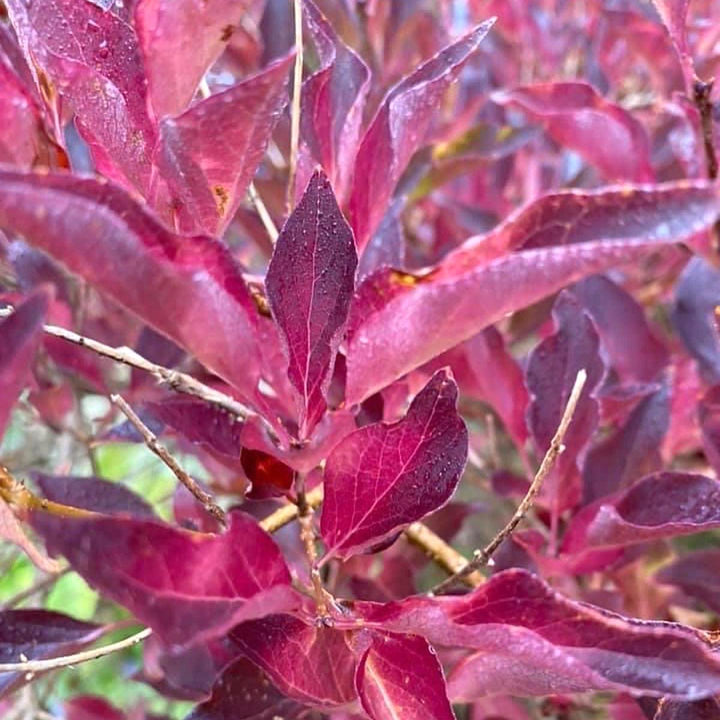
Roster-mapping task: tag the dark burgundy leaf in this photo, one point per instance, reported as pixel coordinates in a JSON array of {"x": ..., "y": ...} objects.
[
  {"x": 562, "y": 238},
  {"x": 180, "y": 40},
  {"x": 631, "y": 451},
  {"x": 708, "y": 410},
  {"x": 309, "y": 285},
  {"x": 575, "y": 116},
  {"x": 708, "y": 709},
  {"x": 313, "y": 664},
  {"x": 93, "y": 228},
  {"x": 333, "y": 99},
  {"x": 399, "y": 676},
  {"x": 385, "y": 476},
  {"x": 209, "y": 154},
  {"x": 37, "y": 635},
  {"x": 658, "y": 506},
  {"x": 187, "y": 586},
  {"x": 530, "y": 640},
  {"x": 91, "y": 493},
  {"x": 398, "y": 130},
  {"x": 697, "y": 574},
  {"x": 90, "y": 707},
  {"x": 243, "y": 692},
  {"x": 269, "y": 476}
]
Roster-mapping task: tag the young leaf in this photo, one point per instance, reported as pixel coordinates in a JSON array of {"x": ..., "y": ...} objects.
[
  {"x": 385, "y": 476},
  {"x": 399, "y": 676},
  {"x": 187, "y": 586},
  {"x": 313, "y": 664},
  {"x": 557, "y": 240},
  {"x": 398, "y": 129},
  {"x": 209, "y": 154},
  {"x": 309, "y": 285},
  {"x": 95, "y": 229}
]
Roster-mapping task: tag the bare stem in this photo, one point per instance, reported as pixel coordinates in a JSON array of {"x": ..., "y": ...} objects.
[
  {"x": 35, "y": 666},
  {"x": 37, "y": 587},
  {"x": 555, "y": 449},
  {"x": 295, "y": 110},
  {"x": 702, "y": 92},
  {"x": 164, "y": 454},
  {"x": 263, "y": 213},
  {"x": 286, "y": 514}
]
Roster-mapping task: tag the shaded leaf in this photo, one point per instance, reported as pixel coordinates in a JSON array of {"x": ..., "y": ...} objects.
[
  {"x": 399, "y": 676},
  {"x": 309, "y": 285},
  {"x": 385, "y": 476},
  {"x": 269, "y": 476},
  {"x": 696, "y": 574},
  {"x": 91, "y": 707},
  {"x": 708, "y": 709},
  {"x": 708, "y": 411}
]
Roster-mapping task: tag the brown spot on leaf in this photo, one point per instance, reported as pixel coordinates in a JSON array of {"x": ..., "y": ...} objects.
[
  {"x": 46, "y": 87},
  {"x": 221, "y": 198},
  {"x": 227, "y": 32}
]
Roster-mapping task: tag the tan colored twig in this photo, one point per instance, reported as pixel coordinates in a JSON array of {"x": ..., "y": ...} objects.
[
  {"x": 295, "y": 108},
  {"x": 164, "y": 454},
  {"x": 287, "y": 513},
  {"x": 35, "y": 666},
  {"x": 555, "y": 449},
  {"x": 702, "y": 97},
  {"x": 263, "y": 213}
]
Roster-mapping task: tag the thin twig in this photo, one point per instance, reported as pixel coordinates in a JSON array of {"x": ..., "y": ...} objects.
[
  {"x": 295, "y": 110},
  {"x": 287, "y": 513},
  {"x": 702, "y": 92},
  {"x": 262, "y": 211},
  {"x": 36, "y": 666},
  {"x": 556, "y": 447},
  {"x": 162, "y": 452},
  {"x": 37, "y": 587}
]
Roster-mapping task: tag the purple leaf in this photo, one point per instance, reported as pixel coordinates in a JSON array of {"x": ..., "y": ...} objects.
[
  {"x": 187, "y": 586},
  {"x": 631, "y": 451},
  {"x": 313, "y": 664},
  {"x": 333, "y": 99},
  {"x": 209, "y": 154},
  {"x": 180, "y": 40},
  {"x": 575, "y": 116},
  {"x": 530, "y": 640},
  {"x": 398, "y": 130},
  {"x": 37, "y": 635},
  {"x": 400, "y": 321},
  {"x": 243, "y": 692},
  {"x": 93, "y": 228},
  {"x": 399, "y": 676},
  {"x": 385, "y": 476},
  {"x": 708, "y": 410},
  {"x": 659, "y": 506},
  {"x": 101, "y": 77},
  {"x": 309, "y": 285},
  {"x": 697, "y": 574}
]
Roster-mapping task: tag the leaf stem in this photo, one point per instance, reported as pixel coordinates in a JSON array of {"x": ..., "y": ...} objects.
[
  {"x": 295, "y": 110},
  {"x": 163, "y": 453},
  {"x": 554, "y": 450},
  {"x": 263, "y": 213}
]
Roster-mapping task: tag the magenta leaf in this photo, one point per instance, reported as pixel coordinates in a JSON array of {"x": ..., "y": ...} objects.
[
  {"x": 697, "y": 574},
  {"x": 575, "y": 115},
  {"x": 333, "y": 99},
  {"x": 708, "y": 410},
  {"x": 385, "y": 476},
  {"x": 180, "y": 40},
  {"x": 91, "y": 707},
  {"x": 101, "y": 77},
  {"x": 399, "y": 676},
  {"x": 401, "y": 321},
  {"x": 93, "y": 227},
  {"x": 530, "y": 640},
  {"x": 309, "y": 285},
  {"x": 20, "y": 337},
  {"x": 398, "y": 130},
  {"x": 313, "y": 664},
  {"x": 187, "y": 586},
  {"x": 209, "y": 154},
  {"x": 37, "y": 635},
  {"x": 243, "y": 692},
  {"x": 631, "y": 451},
  {"x": 659, "y": 506}
]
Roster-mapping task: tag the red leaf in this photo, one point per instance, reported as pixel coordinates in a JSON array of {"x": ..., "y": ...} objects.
[
  {"x": 697, "y": 574},
  {"x": 187, "y": 586},
  {"x": 398, "y": 130},
  {"x": 94, "y": 228},
  {"x": 243, "y": 692},
  {"x": 385, "y": 476},
  {"x": 313, "y": 664},
  {"x": 659, "y": 506},
  {"x": 101, "y": 77},
  {"x": 333, "y": 99},
  {"x": 269, "y": 476},
  {"x": 399, "y": 321},
  {"x": 575, "y": 116},
  {"x": 90, "y": 707},
  {"x": 37, "y": 635},
  {"x": 399, "y": 676},
  {"x": 309, "y": 285},
  {"x": 529, "y": 640},
  {"x": 180, "y": 40},
  {"x": 209, "y": 154}
]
